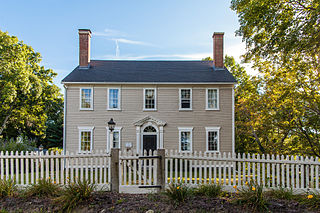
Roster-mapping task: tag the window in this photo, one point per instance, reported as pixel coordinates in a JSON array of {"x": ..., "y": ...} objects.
[
  {"x": 149, "y": 99},
  {"x": 212, "y": 102},
  {"x": 85, "y": 138},
  {"x": 185, "y": 99},
  {"x": 116, "y": 142},
  {"x": 185, "y": 139},
  {"x": 212, "y": 139},
  {"x": 116, "y": 139},
  {"x": 86, "y": 99},
  {"x": 113, "y": 99}
]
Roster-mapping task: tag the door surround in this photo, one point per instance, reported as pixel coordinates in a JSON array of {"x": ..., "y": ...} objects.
[{"x": 142, "y": 124}]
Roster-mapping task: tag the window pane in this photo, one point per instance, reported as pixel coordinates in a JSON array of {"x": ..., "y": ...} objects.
[
  {"x": 185, "y": 99},
  {"x": 213, "y": 141},
  {"x": 185, "y": 141},
  {"x": 212, "y": 98},
  {"x": 116, "y": 139},
  {"x": 113, "y": 98},
  {"x": 86, "y": 98},
  {"x": 149, "y": 99},
  {"x": 85, "y": 140}
]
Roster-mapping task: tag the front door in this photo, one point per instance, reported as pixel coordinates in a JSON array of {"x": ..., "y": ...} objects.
[{"x": 149, "y": 142}]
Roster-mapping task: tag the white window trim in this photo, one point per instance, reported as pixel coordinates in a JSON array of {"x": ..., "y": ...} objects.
[
  {"x": 180, "y": 106},
  {"x": 155, "y": 99},
  {"x": 218, "y": 99},
  {"x": 213, "y": 129},
  {"x": 86, "y": 129},
  {"x": 119, "y": 99},
  {"x": 185, "y": 129},
  {"x": 109, "y": 145},
  {"x": 91, "y": 101}
]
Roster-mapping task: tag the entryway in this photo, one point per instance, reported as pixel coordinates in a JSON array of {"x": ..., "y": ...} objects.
[{"x": 149, "y": 139}]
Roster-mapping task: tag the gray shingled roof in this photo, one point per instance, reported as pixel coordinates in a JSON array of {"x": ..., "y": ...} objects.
[{"x": 115, "y": 71}]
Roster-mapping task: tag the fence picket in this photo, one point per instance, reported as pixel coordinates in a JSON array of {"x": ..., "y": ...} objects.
[
  {"x": 224, "y": 170},
  {"x": 22, "y": 169},
  {"x": 263, "y": 171},
  {"x": 282, "y": 173}
]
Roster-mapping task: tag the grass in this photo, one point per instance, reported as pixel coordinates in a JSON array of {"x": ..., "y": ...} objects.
[
  {"x": 74, "y": 194},
  {"x": 312, "y": 199},
  {"x": 7, "y": 188},
  {"x": 208, "y": 190},
  {"x": 178, "y": 193},
  {"x": 253, "y": 196},
  {"x": 44, "y": 187},
  {"x": 282, "y": 193}
]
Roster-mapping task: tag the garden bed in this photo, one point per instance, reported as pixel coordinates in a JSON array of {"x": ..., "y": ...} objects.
[{"x": 115, "y": 202}]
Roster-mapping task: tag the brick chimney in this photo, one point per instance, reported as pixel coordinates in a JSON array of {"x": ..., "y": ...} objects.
[
  {"x": 218, "y": 50},
  {"x": 84, "y": 48}
]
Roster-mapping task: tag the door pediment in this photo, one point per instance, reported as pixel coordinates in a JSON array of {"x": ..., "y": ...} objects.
[{"x": 150, "y": 119}]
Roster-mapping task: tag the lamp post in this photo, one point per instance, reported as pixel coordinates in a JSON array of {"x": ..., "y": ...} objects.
[{"x": 111, "y": 125}]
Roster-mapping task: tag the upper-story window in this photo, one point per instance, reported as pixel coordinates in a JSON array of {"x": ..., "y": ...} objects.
[
  {"x": 150, "y": 102},
  {"x": 86, "y": 98},
  {"x": 185, "y": 99},
  {"x": 212, "y": 99},
  {"x": 113, "y": 99}
]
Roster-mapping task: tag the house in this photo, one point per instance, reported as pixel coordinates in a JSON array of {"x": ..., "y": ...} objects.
[{"x": 181, "y": 105}]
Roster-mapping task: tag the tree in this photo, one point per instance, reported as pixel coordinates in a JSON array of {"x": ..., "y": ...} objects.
[
  {"x": 283, "y": 42},
  {"x": 270, "y": 27},
  {"x": 27, "y": 92}
]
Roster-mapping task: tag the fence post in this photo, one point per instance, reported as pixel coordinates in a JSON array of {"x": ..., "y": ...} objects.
[
  {"x": 115, "y": 170},
  {"x": 161, "y": 168}
]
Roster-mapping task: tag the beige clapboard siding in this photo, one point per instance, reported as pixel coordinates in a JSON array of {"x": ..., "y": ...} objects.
[{"x": 167, "y": 110}]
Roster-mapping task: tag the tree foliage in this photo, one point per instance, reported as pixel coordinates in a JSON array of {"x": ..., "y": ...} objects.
[
  {"x": 27, "y": 93},
  {"x": 283, "y": 42}
]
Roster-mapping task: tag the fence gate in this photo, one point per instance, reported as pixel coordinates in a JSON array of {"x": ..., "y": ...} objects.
[{"x": 141, "y": 173}]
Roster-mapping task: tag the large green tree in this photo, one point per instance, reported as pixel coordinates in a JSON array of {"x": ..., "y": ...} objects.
[
  {"x": 27, "y": 92},
  {"x": 283, "y": 42}
]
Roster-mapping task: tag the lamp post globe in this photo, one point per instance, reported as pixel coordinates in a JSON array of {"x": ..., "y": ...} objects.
[{"x": 111, "y": 124}]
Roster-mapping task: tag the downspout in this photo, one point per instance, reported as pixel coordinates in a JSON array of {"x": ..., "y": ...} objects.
[
  {"x": 64, "y": 118},
  {"x": 233, "y": 125}
]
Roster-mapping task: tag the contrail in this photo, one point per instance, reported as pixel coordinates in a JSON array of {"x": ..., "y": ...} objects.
[{"x": 117, "y": 49}]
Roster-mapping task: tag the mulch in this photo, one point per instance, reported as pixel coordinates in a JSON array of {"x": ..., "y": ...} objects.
[{"x": 114, "y": 202}]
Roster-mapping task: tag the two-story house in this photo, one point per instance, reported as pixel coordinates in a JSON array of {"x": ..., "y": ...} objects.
[{"x": 181, "y": 105}]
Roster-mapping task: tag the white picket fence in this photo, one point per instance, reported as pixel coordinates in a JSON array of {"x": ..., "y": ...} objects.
[
  {"x": 27, "y": 168},
  {"x": 297, "y": 173},
  {"x": 141, "y": 173}
]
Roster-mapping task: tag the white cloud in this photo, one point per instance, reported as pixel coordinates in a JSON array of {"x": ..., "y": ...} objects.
[
  {"x": 109, "y": 33},
  {"x": 195, "y": 56},
  {"x": 127, "y": 41}
]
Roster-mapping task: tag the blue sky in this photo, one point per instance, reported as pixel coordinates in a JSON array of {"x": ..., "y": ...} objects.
[{"x": 122, "y": 29}]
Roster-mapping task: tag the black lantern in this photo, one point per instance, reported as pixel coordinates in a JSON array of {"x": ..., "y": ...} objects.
[
  {"x": 40, "y": 148},
  {"x": 111, "y": 124}
]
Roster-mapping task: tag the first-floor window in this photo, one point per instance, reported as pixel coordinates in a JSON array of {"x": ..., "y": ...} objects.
[
  {"x": 185, "y": 139},
  {"x": 212, "y": 139},
  {"x": 116, "y": 139},
  {"x": 85, "y": 139}
]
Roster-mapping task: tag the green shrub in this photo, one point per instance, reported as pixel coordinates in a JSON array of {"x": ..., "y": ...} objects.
[
  {"x": 19, "y": 144},
  {"x": 44, "y": 187},
  {"x": 282, "y": 193},
  {"x": 253, "y": 196},
  {"x": 312, "y": 199},
  {"x": 209, "y": 190},
  {"x": 75, "y": 193},
  {"x": 8, "y": 188},
  {"x": 178, "y": 192}
]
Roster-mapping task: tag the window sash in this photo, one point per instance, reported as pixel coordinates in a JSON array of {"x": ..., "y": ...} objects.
[
  {"x": 149, "y": 99},
  {"x": 212, "y": 99},
  {"x": 113, "y": 99},
  {"x": 185, "y": 141},
  {"x": 185, "y": 98},
  {"x": 85, "y": 141},
  {"x": 86, "y": 98},
  {"x": 116, "y": 139},
  {"x": 213, "y": 140}
]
